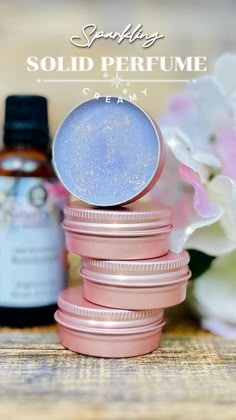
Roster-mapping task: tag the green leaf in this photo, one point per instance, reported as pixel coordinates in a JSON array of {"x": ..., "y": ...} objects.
[{"x": 199, "y": 262}]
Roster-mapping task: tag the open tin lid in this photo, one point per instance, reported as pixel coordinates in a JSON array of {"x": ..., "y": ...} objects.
[{"x": 108, "y": 153}]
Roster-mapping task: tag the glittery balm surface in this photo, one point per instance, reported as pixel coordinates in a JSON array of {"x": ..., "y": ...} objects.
[
  {"x": 136, "y": 231},
  {"x": 108, "y": 153},
  {"x": 103, "y": 332}
]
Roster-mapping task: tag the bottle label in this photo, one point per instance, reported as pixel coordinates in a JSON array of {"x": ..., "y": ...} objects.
[{"x": 32, "y": 252}]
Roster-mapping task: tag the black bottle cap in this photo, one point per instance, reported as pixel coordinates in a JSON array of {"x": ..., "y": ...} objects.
[{"x": 26, "y": 121}]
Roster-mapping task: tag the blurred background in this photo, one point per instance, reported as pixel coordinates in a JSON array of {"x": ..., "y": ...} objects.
[{"x": 43, "y": 28}]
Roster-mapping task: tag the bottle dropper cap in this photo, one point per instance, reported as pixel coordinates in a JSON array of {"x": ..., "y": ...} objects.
[{"x": 26, "y": 121}]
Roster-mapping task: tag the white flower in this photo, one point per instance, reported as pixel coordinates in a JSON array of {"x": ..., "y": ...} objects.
[
  {"x": 213, "y": 296},
  {"x": 199, "y": 179}
]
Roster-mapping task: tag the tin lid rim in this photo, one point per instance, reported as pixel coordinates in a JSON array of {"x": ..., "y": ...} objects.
[
  {"x": 143, "y": 283},
  {"x": 156, "y": 325},
  {"x": 101, "y": 312},
  {"x": 125, "y": 230},
  {"x": 160, "y": 264},
  {"x": 107, "y": 214},
  {"x": 152, "y": 180}
]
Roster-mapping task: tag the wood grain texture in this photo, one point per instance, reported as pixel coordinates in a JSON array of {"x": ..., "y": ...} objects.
[{"x": 192, "y": 376}]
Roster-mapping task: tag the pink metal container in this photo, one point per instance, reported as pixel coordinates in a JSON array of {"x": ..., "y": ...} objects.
[
  {"x": 133, "y": 232},
  {"x": 97, "y": 331},
  {"x": 155, "y": 283}
]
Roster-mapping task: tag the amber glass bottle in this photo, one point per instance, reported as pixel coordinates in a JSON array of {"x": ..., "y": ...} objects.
[{"x": 32, "y": 253}]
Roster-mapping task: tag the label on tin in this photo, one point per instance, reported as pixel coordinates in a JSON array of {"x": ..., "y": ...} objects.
[{"x": 32, "y": 252}]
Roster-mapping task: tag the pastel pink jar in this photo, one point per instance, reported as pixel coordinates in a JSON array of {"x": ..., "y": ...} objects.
[
  {"x": 136, "y": 231},
  {"x": 97, "y": 331},
  {"x": 156, "y": 283}
]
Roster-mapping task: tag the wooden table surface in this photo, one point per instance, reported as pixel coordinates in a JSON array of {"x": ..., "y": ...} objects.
[{"x": 192, "y": 376}]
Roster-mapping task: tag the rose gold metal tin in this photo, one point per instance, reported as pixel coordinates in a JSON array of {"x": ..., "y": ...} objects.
[
  {"x": 155, "y": 283},
  {"x": 136, "y": 231},
  {"x": 108, "y": 154},
  {"x": 103, "y": 332}
]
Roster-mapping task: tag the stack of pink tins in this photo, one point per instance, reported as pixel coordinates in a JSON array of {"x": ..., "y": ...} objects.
[{"x": 129, "y": 274}]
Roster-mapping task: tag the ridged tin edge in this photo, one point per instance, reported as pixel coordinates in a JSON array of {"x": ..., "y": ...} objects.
[
  {"x": 138, "y": 266},
  {"x": 112, "y": 314}
]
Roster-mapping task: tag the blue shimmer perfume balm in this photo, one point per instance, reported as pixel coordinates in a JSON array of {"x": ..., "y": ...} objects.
[{"x": 108, "y": 153}]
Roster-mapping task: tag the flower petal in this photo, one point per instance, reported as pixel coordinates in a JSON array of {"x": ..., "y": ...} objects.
[
  {"x": 186, "y": 135},
  {"x": 216, "y": 110},
  {"x": 194, "y": 157},
  {"x": 222, "y": 190},
  {"x": 202, "y": 204},
  {"x": 215, "y": 290},
  {"x": 180, "y": 109},
  {"x": 210, "y": 239},
  {"x": 171, "y": 191},
  {"x": 192, "y": 236},
  {"x": 219, "y": 327},
  {"x": 225, "y": 148},
  {"x": 225, "y": 70}
]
